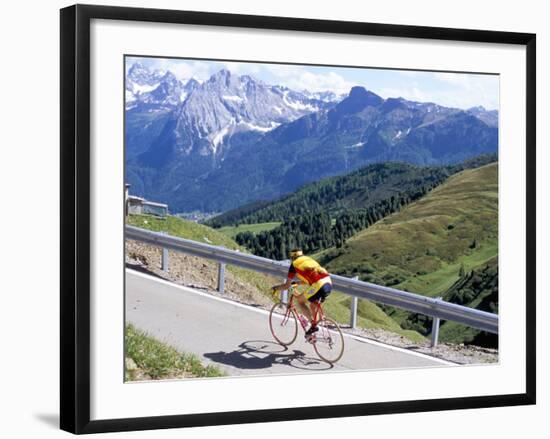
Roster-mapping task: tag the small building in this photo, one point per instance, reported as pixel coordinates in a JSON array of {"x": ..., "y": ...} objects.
[{"x": 141, "y": 206}]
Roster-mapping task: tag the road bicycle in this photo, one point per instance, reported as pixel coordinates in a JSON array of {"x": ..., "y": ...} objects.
[{"x": 328, "y": 342}]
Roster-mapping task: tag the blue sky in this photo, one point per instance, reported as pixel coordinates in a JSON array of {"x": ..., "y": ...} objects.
[{"x": 462, "y": 90}]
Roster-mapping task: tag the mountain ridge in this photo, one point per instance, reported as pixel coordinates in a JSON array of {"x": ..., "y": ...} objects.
[{"x": 235, "y": 139}]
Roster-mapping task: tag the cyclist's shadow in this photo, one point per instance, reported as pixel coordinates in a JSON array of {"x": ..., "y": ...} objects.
[{"x": 261, "y": 354}]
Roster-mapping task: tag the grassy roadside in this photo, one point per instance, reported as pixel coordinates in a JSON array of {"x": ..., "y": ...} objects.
[
  {"x": 184, "y": 229},
  {"x": 150, "y": 359}
]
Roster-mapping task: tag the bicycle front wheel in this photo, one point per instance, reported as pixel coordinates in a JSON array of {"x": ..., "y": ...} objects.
[
  {"x": 283, "y": 323},
  {"x": 329, "y": 341}
]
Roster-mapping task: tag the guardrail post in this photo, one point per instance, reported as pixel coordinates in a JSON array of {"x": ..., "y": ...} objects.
[
  {"x": 353, "y": 309},
  {"x": 221, "y": 277},
  {"x": 435, "y": 329},
  {"x": 165, "y": 260}
]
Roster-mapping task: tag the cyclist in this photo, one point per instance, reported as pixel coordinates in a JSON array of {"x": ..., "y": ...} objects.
[{"x": 309, "y": 272}]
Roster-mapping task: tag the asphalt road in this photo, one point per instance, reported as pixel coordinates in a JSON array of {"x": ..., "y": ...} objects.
[{"x": 237, "y": 339}]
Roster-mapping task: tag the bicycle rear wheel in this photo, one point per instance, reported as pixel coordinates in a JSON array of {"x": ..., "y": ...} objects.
[
  {"x": 283, "y": 324},
  {"x": 329, "y": 341}
]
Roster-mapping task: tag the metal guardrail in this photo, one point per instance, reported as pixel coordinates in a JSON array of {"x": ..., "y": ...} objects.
[{"x": 434, "y": 307}]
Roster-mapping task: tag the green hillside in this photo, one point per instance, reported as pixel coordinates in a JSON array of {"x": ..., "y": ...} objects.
[
  {"x": 422, "y": 247},
  {"x": 327, "y": 213},
  {"x": 360, "y": 189},
  {"x": 332, "y": 210},
  {"x": 427, "y": 247},
  {"x": 477, "y": 289}
]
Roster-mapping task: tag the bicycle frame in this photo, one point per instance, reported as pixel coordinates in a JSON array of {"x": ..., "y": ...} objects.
[{"x": 317, "y": 316}]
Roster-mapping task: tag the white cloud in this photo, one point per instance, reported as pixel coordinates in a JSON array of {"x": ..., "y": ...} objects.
[
  {"x": 468, "y": 90},
  {"x": 449, "y": 89},
  {"x": 239, "y": 68},
  {"x": 459, "y": 79},
  {"x": 283, "y": 70},
  {"x": 413, "y": 93},
  {"x": 300, "y": 78},
  {"x": 183, "y": 69},
  {"x": 329, "y": 81}
]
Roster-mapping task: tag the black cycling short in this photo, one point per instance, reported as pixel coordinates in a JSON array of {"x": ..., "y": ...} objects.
[{"x": 321, "y": 294}]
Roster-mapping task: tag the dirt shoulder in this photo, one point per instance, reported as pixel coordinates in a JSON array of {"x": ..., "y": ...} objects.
[
  {"x": 202, "y": 275},
  {"x": 198, "y": 273},
  {"x": 456, "y": 353}
]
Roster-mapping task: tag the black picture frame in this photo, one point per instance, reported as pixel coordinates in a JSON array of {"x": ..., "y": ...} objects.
[{"x": 75, "y": 217}]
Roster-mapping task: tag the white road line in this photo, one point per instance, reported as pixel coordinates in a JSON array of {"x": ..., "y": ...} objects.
[{"x": 262, "y": 311}]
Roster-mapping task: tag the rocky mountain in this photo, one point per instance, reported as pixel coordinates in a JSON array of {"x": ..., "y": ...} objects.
[
  {"x": 233, "y": 139},
  {"x": 204, "y": 116},
  {"x": 226, "y": 105},
  {"x": 151, "y": 97}
]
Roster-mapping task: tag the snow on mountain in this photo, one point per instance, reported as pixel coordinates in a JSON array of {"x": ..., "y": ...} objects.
[
  {"x": 140, "y": 75},
  {"x": 325, "y": 96},
  {"x": 227, "y": 104},
  {"x": 155, "y": 90}
]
